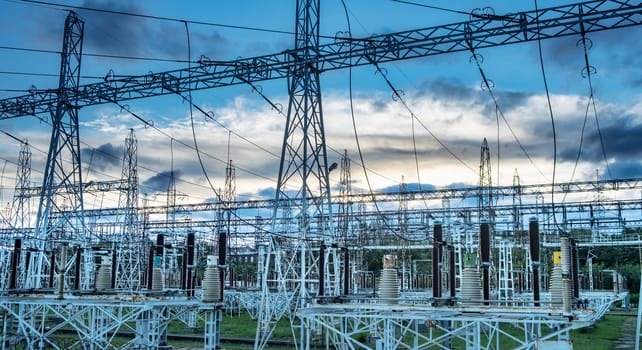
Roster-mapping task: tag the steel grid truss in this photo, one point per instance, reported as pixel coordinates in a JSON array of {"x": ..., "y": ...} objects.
[
  {"x": 92, "y": 323},
  {"x": 481, "y": 32},
  {"x": 381, "y": 326}
]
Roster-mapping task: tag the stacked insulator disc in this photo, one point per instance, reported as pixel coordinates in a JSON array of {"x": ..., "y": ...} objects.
[
  {"x": 211, "y": 281},
  {"x": 389, "y": 285},
  {"x": 471, "y": 293},
  {"x": 157, "y": 275},
  {"x": 103, "y": 278}
]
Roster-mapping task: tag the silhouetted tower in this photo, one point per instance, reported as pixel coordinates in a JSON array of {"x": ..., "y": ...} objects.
[
  {"x": 345, "y": 205},
  {"x": 403, "y": 231},
  {"x": 517, "y": 204},
  {"x": 228, "y": 229},
  {"x": 57, "y": 232},
  {"x": 485, "y": 185},
  {"x": 303, "y": 175},
  {"x": 170, "y": 215},
  {"x": 20, "y": 210},
  {"x": 130, "y": 244}
]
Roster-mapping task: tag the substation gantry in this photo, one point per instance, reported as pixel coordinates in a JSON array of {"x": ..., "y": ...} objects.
[{"x": 301, "y": 255}]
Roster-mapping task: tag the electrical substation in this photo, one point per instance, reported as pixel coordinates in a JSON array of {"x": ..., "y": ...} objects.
[{"x": 502, "y": 261}]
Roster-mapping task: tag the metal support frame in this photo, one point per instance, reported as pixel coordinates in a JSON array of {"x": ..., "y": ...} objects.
[
  {"x": 62, "y": 170},
  {"x": 130, "y": 244},
  {"x": 60, "y": 219},
  {"x": 212, "y": 317},
  {"x": 304, "y": 168},
  {"x": 375, "y": 326},
  {"x": 95, "y": 321},
  {"x": 481, "y": 32}
]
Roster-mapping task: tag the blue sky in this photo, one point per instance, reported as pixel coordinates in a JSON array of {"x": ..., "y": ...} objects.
[{"x": 442, "y": 91}]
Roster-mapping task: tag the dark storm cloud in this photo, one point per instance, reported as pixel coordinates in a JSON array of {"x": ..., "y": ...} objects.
[
  {"x": 454, "y": 91},
  {"x": 507, "y": 101},
  {"x": 448, "y": 89},
  {"x": 618, "y": 48},
  {"x": 160, "y": 181},
  {"x": 103, "y": 157},
  {"x": 620, "y": 138},
  {"x": 114, "y": 34}
]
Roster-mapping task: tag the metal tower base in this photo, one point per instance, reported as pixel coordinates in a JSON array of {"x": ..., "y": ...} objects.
[
  {"x": 402, "y": 326},
  {"x": 42, "y": 322}
]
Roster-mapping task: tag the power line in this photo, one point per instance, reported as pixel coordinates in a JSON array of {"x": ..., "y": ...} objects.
[
  {"x": 123, "y": 13},
  {"x": 432, "y": 7},
  {"x": 414, "y": 116},
  {"x": 45, "y": 75},
  {"x": 140, "y": 58}
]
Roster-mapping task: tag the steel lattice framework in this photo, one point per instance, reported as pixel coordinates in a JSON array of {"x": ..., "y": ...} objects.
[
  {"x": 345, "y": 52},
  {"x": 64, "y": 146},
  {"x": 130, "y": 244},
  {"x": 303, "y": 162}
]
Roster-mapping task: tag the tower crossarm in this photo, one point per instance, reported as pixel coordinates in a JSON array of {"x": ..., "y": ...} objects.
[{"x": 481, "y": 32}]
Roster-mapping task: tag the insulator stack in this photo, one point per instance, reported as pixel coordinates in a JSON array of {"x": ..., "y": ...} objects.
[
  {"x": 484, "y": 241},
  {"x": 567, "y": 294},
  {"x": 222, "y": 262},
  {"x": 61, "y": 271},
  {"x": 575, "y": 269},
  {"x": 436, "y": 260},
  {"x": 346, "y": 271},
  {"x": 565, "y": 256},
  {"x": 114, "y": 269},
  {"x": 533, "y": 234},
  {"x": 190, "y": 254},
  {"x": 15, "y": 261},
  {"x": 157, "y": 275},
  {"x": 389, "y": 284},
  {"x": 451, "y": 273},
  {"x": 471, "y": 293},
  {"x": 103, "y": 277},
  {"x": 211, "y": 281},
  {"x": 555, "y": 286}
]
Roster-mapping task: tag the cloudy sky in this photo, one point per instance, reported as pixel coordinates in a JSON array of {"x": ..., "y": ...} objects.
[{"x": 443, "y": 92}]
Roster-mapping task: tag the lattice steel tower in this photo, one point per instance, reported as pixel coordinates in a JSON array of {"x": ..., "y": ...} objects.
[
  {"x": 20, "y": 209},
  {"x": 485, "y": 184},
  {"x": 345, "y": 206},
  {"x": 130, "y": 244},
  {"x": 60, "y": 220},
  {"x": 303, "y": 174}
]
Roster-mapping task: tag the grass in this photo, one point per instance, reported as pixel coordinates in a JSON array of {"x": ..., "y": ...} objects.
[{"x": 600, "y": 336}]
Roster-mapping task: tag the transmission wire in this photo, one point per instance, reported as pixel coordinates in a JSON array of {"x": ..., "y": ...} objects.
[{"x": 356, "y": 136}]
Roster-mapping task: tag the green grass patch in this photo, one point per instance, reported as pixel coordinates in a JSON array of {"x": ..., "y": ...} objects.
[
  {"x": 242, "y": 326},
  {"x": 601, "y": 335}
]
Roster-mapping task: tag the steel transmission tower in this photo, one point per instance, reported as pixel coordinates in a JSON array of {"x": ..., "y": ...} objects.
[
  {"x": 20, "y": 209},
  {"x": 225, "y": 228},
  {"x": 345, "y": 206},
  {"x": 485, "y": 184},
  {"x": 303, "y": 174},
  {"x": 517, "y": 204},
  {"x": 130, "y": 243},
  {"x": 62, "y": 183}
]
